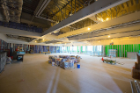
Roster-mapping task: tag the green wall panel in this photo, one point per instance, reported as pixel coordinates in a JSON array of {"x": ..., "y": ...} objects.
[
  {"x": 122, "y": 49},
  {"x": 118, "y": 50},
  {"x": 107, "y": 50},
  {"x": 139, "y": 48},
  {"x": 126, "y": 48},
  {"x": 136, "y": 47}
]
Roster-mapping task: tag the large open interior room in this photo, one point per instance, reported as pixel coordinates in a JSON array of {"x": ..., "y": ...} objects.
[{"x": 69, "y": 46}]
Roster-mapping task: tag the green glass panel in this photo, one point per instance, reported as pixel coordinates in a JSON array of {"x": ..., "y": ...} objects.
[
  {"x": 122, "y": 52},
  {"x": 132, "y": 48},
  {"x": 126, "y": 47},
  {"x": 106, "y": 50},
  {"x": 139, "y": 48},
  {"x": 81, "y": 48}
]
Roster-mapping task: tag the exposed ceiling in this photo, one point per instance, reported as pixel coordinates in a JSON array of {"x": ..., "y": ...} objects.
[
  {"x": 47, "y": 14},
  {"x": 59, "y": 10},
  {"x": 11, "y": 10},
  {"x": 109, "y": 31},
  {"x": 109, "y": 14},
  {"x": 29, "y": 6}
]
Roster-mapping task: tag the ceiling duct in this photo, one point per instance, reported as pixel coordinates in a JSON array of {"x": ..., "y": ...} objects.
[{"x": 12, "y": 10}]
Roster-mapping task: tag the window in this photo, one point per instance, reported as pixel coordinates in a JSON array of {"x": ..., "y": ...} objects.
[
  {"x": 90, "y": 48},
  {"x": 71, "y": 48},
  {"x": 84, "y": 48},
  {"x": 63, "y": 48},
  {"x": 99, "y": 48},
  {"x": 75, "y": 48}
]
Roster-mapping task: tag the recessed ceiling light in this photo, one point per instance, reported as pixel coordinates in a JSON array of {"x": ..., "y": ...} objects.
[
  {"x": 102, "y": 20},
  {"x": 88, "y": 28},
  {"x": 35, "y": 41},
  {"x": 107, "y": 19},
  {"x": 109, "y": 36}
]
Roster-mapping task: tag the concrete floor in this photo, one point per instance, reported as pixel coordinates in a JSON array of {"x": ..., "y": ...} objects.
[{"x": 35, "y": 75}]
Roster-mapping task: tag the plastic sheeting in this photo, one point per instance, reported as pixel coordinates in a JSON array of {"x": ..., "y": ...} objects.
[
  {"x": 57, "y": 49},
  {"x": 45, "y": 49},
  {"x": 21, "y": 26},
  {"x": 35, "y": 48},
  {"x": 52, "y": 49},
  {"x": 3, "y": 45},
  {"x": 41, "y": 49}
]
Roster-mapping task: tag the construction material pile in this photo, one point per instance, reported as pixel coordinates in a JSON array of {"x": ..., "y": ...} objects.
[
  {"x": 76, "y": 59},
  {"x": 136, "y": 69},
  {"x": 64, "y": 61}
]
